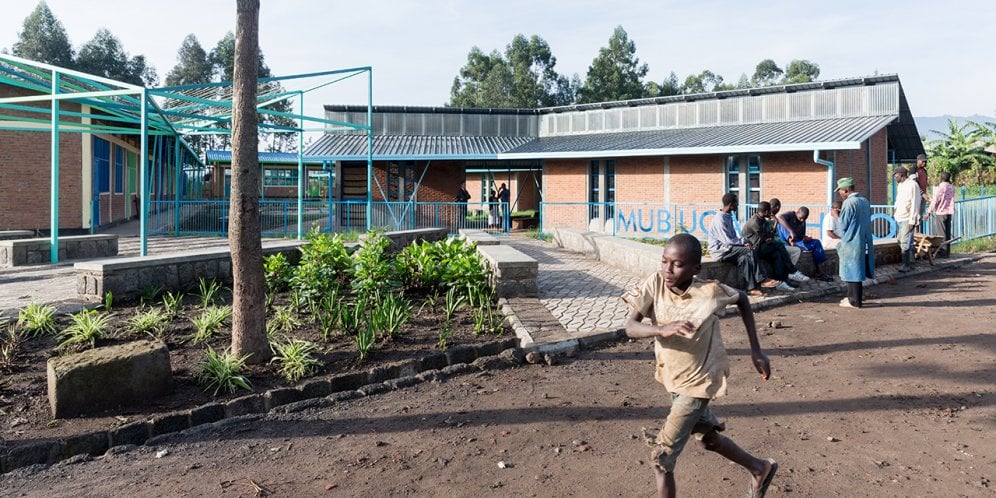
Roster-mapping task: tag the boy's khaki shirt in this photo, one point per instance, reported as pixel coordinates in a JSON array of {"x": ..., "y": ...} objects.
[{"x": 692, "y": 365}]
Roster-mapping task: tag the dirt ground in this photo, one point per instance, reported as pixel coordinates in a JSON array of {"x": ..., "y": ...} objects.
[{"x": 894, "y": 400}]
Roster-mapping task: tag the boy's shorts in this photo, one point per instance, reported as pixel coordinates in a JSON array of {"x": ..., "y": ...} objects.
[{"x": 688, "y": 416}]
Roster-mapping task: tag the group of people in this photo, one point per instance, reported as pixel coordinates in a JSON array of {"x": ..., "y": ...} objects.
[
  {"x": 911, "y": 200},
  {"x": 497, "y": 205}
]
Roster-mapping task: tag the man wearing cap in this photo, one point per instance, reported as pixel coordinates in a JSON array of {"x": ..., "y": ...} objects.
[
  {"x": 855, "y": 251},
  {"x": 906, "y": 212}
]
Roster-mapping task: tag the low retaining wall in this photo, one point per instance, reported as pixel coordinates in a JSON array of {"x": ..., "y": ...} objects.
[
  {"x": 20, "y": 252},
  {"x": 126, "y": 277},
  {"x": 643, "y": 259},
  {"x": 479, "y": 237},
  {"x": 402, "y": 238},
  {"x": 513, "y": 273},
  {"x": 16, "y": 234}
]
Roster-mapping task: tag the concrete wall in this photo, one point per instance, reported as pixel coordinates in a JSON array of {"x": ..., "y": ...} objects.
[{"x": 21, "y": 252}]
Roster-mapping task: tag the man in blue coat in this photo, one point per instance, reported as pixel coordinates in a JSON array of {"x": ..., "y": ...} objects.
[{"x": 855, "y": 251}]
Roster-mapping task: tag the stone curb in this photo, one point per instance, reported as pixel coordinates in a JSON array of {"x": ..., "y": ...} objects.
[{"x": 313, "y": 394}]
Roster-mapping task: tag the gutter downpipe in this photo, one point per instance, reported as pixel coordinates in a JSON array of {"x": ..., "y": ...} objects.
[{"x": 831, "y": 170}]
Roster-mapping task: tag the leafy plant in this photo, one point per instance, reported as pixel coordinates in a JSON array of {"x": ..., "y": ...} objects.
[
  {"x": 390, "y": 314},
  {"x": 108, "y": 300},
  {"x": 148, "y": 293},
  {"x": 152, "y": 321},
  {"x": 327, "y": 314},
  {"x": 325, "y": 262},
  {"x": 283, "y": 320},
  {"x": 365, "y": 339},
  {"x": 373, "y": 269},
  {"x": 208, "y": 291},
  {"x": 453, "y": 304},
  {"x": 209, "y": 322},
  {"x": 87, "y": 327},
  {"x": 172, "y": 304},
  {"x": 295, "y": 359},
  {"x": 352, "y": 317},
  {"x": 298, "y": 300},
  {"x": 444, "y": 335},
  {"x": 277, "y": 271},
  {"x": 11, "y": 344},
  {"x": 37, "y": 319},
  {"x": 222, "y": 371},
  {"x": 268, "y": 299}
]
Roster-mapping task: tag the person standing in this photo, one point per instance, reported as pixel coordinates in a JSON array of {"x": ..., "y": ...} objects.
[
  {"x": 830, "y": 231},
  {"x": 691, "y": 361},
  {"x": 942, "y": 206},
  {"x": 462, "y": 197},
  {"x": 906, "y": 212},
  {"x": 920, "y": 174},
  {"x": 725, "y": 245},
  {"x": 503, "y": 198},
  {"x": 855, "y": 251}
]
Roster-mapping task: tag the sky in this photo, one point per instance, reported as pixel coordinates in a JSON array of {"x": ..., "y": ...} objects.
[{"x": 943, "y": 52}]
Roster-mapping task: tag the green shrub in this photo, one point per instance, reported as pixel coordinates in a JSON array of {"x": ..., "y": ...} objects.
[
  {"x": 11, "y": 345},
  {"x": 373, "y": 268},
  {"x": 37, "y": 319},
  {"x": 152, "y": 321},
  {"x": 208, "y": 323},
  {"x": 277, "y": 271},
  {"x": 222, "y": 371},
  {"x": 172, "y": 304},
  {"x": 390, "y": 314},
  {"x": 325, "y": 263},
  {"x": 365, "y": 339},
  {"x": 295, "y": 359},
  {"x": 208, "y": 291},
  {"x": 87, "y": 327},
  {"x": 282, "y": 321}
]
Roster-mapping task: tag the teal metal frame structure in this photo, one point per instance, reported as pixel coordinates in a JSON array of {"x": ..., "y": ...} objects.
[{"x": 112, "y": 107}]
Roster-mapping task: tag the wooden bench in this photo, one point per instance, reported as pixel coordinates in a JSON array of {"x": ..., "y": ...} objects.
[{"x": 21, "y": 252}]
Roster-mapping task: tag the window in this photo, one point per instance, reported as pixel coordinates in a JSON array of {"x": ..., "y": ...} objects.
[
  {"x": 743, "y": 177},
  {"x": 101, "y": 165},
  {"x": 274, "y": 177},
  {"x": 610, "y": 188},
  {"x": 593, "y": 191},
  {"x": 118, "y": 170}
]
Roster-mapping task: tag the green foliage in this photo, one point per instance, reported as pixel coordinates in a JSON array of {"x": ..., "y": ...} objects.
[
  {"x": 325, "y": 262},
  {"x": 616, "y": 73},
  {"x": 37, "y": 319},
  {"x": 801, "y": 71},
  {"x": 222, "y": 371},
  {"x": 277, "y": 271},
  {"x": 522, "y": 76},
  {"x": 766, "y": 73},
  {"x": 982, "y": 244},
  {"x": 353, "y": 317},
  {"x": 435, "y": 266},
  {"x": 192, "y": 65},
  {"x": 44, "y": 39},
  {"x": 391, "y": 313},
  {"x": 365, "y": 339},
  {"x": 11, "y": 345},
  {"x": 209, "y": 323},
  {"x": 283, "y": 321},
  {"x": 108, "y": 300},
  {"x": 327, "y": 313},
  {"x": 961, "y": 151},
  {"x": 453, "y": 304},
  {"x": 208, "y": 291},
  {"x": 104, "y": 56},
  {"x": 152, "y": 321},
  {"x": 172, "y": 304},
  {"x": 87, "y": 327},
  {"x": 444, "y": 335},
  {"x": 148, "y": 293},
  {"x": 373, "y": 268},
  {"x": 295, "y": 359}
]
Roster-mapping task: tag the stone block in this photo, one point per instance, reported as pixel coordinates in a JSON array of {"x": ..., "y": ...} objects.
[
  {"x": 207, "y": 414},
  {"x": 33, "y": 453},
  {"x": 283, "y": 396},
  {"x": 246, "y": 405},
  {"x": 95, "y": 443},
  {"x": 317, "y": 388},
  {"x": 169, "y": 423},
  {"x": 108, "y": 377},
  {"x": 463, "y": 353},
  {"x": 134, "y": 433},
  {"x": 433, "y": 361},
  {"x": 349, "y": 381}
]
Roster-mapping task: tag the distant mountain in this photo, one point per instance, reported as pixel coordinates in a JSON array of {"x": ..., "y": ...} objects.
[{"x": 929, "y": 125}]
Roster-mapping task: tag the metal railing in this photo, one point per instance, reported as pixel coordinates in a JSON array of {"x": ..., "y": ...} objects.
[
  {"x": 279, "y": 218},
  {"x": 973, "y": 218}
]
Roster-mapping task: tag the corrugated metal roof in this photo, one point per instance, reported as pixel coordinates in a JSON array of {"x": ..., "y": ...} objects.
[
  {"x": 845, "y": 133},
  {"x": 397, "y": 147},
  {"x": 225, "y": 156}
]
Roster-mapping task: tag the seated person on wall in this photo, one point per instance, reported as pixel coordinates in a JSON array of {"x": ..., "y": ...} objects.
[
  {"x": 830, "y": 231},
  {"x": 794, "y": 252},
  {"x": 796, "y": 220},
  {"x": 760, "y": 234},
  {"x": 725, "y": 245}
]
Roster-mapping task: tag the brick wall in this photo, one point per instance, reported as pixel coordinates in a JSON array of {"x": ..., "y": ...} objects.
[
  {"x": 697, "y": 179},
  {"x": 793, "y": 178},
  {"x": 25, "y": 173},
  {"x": 640, "y": 179}
]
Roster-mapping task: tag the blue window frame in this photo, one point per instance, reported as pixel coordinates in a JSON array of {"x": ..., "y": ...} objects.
[
  {"x": 118, "y": 170},
  {"x": 101, "y": 165},
  {"x": 593, "y": 190}
]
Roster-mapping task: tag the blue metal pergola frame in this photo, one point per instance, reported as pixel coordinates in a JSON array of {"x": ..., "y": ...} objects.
[{"x": 113, "y": 107}]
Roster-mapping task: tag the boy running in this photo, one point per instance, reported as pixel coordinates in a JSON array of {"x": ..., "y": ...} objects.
[{"x": 691, "y": 359}]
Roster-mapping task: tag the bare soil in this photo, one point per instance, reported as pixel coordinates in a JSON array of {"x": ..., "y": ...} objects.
[
  {"x": 892, "y": 400},
  {"x": 24, "y": 407}
]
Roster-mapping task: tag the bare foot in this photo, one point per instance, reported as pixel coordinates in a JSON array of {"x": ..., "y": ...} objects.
[{"x": 759, "y": 484}]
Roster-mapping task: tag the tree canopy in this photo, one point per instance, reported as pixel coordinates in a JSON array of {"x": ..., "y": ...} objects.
[
  {"x": 616, "y": 73},
  {"x": 524, "y": 76},
  {"x": 193, "y": 65},
  {"x": 104, "y": 56},
  {"x": 43, "y": 39},
  {"x": 965, "y": 151}
]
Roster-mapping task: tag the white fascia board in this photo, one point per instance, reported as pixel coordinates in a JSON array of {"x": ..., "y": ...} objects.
[{"x": 686, "y": 151}]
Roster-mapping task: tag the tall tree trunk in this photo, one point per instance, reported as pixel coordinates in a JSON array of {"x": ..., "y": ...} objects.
[{"x": 248, "y": 311}]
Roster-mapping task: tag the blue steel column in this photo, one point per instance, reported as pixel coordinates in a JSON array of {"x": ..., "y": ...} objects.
[
  {"x": 143, "y": 177},
  {"x": 178, "y": 168},
  {"x": 54, "y": 220},
  {"x": 369, "y": 146},
  {"x": 300, "y": 169}
]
